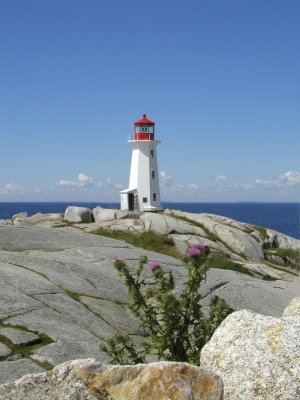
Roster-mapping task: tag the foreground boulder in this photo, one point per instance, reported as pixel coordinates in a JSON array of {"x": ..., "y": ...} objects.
[
  {"x": 78, "y": 214},
  {"x": 90, "y": 380},
  {"x": 258, "y": 357}
]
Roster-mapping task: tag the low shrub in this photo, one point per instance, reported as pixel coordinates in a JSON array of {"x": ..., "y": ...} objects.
[{"x": 173, "y": 321}]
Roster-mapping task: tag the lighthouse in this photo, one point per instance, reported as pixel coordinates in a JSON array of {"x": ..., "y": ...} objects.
[{"x": 143, "y": 193}]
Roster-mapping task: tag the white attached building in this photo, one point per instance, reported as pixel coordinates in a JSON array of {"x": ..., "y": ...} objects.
[{"x": 143, "y": 193}]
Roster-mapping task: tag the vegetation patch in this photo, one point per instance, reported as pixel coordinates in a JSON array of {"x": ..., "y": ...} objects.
[
  {"x": 290, "y": 257},
  {"x": 25, "y": 350},
  {"x": 146, "y": 240},
  {"x": 64, "y": 224},
  {"x": 263, "y": 231},
  {"x": 173, "y": 322},
  {"x": 222, "y": 261}
]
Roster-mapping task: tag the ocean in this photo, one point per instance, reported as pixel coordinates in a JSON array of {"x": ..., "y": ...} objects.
[{"x": 282, "y": 217}]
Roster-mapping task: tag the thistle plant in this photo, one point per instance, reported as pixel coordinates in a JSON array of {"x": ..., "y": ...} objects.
[{"x": 172, "y": 320}]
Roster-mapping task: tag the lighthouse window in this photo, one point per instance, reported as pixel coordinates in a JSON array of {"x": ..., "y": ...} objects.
[
  {"x": 144, "y": 130},
  {"x": 145, "y": 199},
  {"x": 154, "y": 196},
  {"x": 153, "y": 174},
  {"x": 152, "y": 153}
]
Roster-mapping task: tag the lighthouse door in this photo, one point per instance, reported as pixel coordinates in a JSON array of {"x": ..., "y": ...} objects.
[{"x": 131, "y": 201}]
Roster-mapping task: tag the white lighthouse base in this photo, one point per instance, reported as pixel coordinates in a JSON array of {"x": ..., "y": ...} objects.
[{"x": 130, "y": 202}]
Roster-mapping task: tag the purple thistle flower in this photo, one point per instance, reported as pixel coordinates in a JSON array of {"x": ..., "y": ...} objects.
[
  {"x": 192, "y": 252},
  {"x": 116, "y": 258},
  {"x": 153, "y": 266},
  {"x": 198, "y": 246}
]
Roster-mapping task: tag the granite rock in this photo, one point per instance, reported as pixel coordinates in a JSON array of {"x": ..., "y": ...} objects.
[
  {"x": 293, "y": 309},
  {"x": 18, "y": 336},
  {"x": 258, "y": 357},
  {"x": 78, "y": 214},
  {"x": 4, "y": 350},
  {"x": 89, "y": 380},
  {"x": 104, "y": 214},
  {"x": 164, "y": 225}
]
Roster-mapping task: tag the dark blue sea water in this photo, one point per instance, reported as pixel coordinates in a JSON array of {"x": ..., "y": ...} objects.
[{"x": 282, "y": 217}]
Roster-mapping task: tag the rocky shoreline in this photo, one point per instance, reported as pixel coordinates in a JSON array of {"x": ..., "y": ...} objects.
[{"x": 58, "y": 285}]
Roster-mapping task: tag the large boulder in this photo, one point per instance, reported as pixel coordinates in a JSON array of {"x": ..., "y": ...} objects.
[
  {"x": 78, "y": 214},
  {"x": 89, "y": 380},
  {"x": 232, "y": 233},
  {"x": 258, "y": 357},
  {"x": 104, "y": 214},
  {"x": 164, "y": 224},
  {"x": 293, "y": 309}
]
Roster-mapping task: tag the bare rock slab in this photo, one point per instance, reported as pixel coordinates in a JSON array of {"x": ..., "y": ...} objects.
[
  {"x": 18, "y": 337},
  {"x": 4, "y": 350},
  {"x": 12, "y": 370},
  {"x": 258, "y": 357},
  {"x": 89, "y": 380}
]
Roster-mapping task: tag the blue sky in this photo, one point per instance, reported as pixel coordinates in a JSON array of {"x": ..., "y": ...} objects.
[{"x": 219, "y": 78}]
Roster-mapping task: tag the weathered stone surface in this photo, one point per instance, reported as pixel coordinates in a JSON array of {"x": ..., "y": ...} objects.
[
  {"x": 183, "y": 242},
  {"x": 243, "y": 291},
  {"x": 293, "y": 309},
  {"x": 258, "y": 357},
  {"x": 44, "y": 220},
  {"x": 86, "y": 379},
  {"x": 264, "y": 270},
  {"x": 61, "y": 283},
  {"x": 18, "y": 216},
  {"x": 104, "y": 214},
  {"x": 229, "y": 231},
  {"x": 4, "y": 350},
  {"x": 284, "y": 241},
  {"x": 12, "y": 370},
  {"x": 5, "y": 222},
  {"x": 78, "y": 214},
  {"x": 17, "y": 336},
  {"x": 164, "y": 224}
]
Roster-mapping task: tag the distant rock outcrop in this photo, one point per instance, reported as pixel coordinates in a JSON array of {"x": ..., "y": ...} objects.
[
  {"x": 89, "y": 380},
  {"x": 258, "y": 357}
]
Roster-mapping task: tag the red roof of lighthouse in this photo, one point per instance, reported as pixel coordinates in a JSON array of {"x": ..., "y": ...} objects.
[{"x": 144, "y": 121}]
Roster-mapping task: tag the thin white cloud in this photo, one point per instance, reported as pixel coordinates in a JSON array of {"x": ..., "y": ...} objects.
[
  {"x": 221, "y": 178},
  {"x": 83, "y": 180},
  {"x": 246, "y": 186},
  {"x": 110, "y": 185},
  {"x": 11, "y": 188},
  {"x": 193, "y": 186},
  {"x": 165, "y": 179},
  {"x": 287, "y": 179}
]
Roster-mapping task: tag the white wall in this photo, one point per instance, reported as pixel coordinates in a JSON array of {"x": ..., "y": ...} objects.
[{"x": 142, "y": 165}]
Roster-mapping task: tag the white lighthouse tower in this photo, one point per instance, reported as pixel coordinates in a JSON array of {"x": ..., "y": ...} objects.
[{"x": 143, "y": 193}]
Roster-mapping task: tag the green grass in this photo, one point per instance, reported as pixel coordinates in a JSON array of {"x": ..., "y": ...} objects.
[
  {"x": 25, "y": 350},
  {"x": 146, "y": 240},
  {"x": 63, "y": 224},
  {"x": 262, "y": 230},
  {"x": 290, "y": 257},
  {"x": 222, "y": 261}
]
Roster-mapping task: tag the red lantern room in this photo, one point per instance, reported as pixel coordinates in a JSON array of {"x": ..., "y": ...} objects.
[{"x": 144, "y": 129}]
